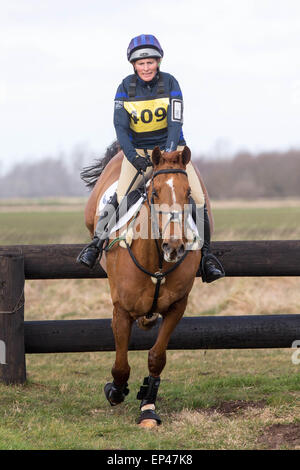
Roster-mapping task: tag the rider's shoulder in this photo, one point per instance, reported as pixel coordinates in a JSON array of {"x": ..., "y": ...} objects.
[
  {"x": 169, "y": 78},
  {"x": 127, "y": 80},
  {"x": 166, "y": 75},
  {"x": 122, "y": 91}
]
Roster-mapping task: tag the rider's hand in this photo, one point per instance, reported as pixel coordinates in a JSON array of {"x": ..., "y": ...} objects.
[{"x": 141, "y": 163}]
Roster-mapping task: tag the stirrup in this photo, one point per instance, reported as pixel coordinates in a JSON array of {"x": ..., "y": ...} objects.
[{"x": 204, "y": 276}]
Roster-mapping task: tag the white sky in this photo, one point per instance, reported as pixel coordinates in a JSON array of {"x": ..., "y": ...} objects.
[{"x": 237, "y": 62}]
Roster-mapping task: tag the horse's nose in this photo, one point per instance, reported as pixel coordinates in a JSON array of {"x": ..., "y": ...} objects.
[
  {"x": 180, "y": 250},
  {"x": 173, "y": 250},
  {"x": 165, "y": 247}
]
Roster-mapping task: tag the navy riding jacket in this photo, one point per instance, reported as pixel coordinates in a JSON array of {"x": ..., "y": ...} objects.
[{"x": 154, "y": 116}]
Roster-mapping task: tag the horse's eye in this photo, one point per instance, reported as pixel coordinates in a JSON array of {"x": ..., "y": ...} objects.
[
  {"x": 154, "y": 192},
  {"x": 189, "y": 192}
]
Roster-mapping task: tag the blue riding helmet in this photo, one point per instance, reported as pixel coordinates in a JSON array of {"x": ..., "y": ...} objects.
[{"x": 145, "y": 45}]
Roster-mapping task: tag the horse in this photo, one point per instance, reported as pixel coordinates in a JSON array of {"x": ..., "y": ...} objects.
[{"x": 147, "y": 276}]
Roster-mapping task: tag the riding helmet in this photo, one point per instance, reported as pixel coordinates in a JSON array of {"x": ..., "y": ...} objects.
[{"x": 144, "y": 46}]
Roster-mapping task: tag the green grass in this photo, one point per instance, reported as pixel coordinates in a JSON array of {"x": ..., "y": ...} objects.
[
  {"x": 43, "y": 201},
  {"x": 62, "y": 406},
  {"x": 258, "y": 223},
  {"x": 42, "y": 228},
  {"x": 68, "y": 226}
]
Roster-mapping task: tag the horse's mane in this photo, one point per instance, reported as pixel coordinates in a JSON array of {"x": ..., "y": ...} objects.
[{"x": 90, "y": 174}]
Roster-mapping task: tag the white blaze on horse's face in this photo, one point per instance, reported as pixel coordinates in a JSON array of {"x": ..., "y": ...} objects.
[
  {"x": 173, "y": 246},
  {"x": 171, "y": 184}
]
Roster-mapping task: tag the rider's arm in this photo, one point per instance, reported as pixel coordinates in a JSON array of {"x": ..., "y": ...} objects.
[
  {"x": 121, "y": 123},
  {"x": 174, "y": 116}
]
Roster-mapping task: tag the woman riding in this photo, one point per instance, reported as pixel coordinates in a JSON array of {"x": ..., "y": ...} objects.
[{"x": 148, "y": 112}]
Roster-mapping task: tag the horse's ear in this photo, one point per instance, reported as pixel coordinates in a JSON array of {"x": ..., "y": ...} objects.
[
  {"x": 156, "y": 155},
  {"x": 186, "y": 155}
]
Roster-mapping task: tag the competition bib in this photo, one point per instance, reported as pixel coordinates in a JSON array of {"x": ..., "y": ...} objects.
[{"x": 148, "y": 115}]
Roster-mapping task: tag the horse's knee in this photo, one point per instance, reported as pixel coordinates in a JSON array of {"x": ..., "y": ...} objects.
[{"x": 156, "y": 362}]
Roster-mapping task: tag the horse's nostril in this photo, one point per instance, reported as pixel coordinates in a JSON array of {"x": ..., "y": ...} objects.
[
  {"x": 165, "y": 246},
  {"x": 181, "y": 249}
]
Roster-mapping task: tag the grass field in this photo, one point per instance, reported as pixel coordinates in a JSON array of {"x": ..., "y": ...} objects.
[
  {"x": 231, "y": 399},
  {"x": 62, "y": 221}
]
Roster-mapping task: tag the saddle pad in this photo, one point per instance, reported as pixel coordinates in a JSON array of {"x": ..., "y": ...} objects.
[{"x": 126, "y": 217}]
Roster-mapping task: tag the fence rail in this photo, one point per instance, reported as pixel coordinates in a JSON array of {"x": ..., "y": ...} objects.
[
  {"x": 207, "y": 332},
  {"x": 240, "y": 258}
]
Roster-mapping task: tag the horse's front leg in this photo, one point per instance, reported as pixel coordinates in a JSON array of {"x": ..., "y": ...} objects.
[
  {"x": 116, "y": 391},
  {"x": 156, "y": 363}
]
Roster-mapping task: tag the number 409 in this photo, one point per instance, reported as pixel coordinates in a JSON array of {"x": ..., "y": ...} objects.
[{"x": 147, "y": 115}]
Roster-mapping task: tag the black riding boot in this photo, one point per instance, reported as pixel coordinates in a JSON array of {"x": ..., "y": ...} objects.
[
  {"x": 89, "y": 255},
  {"x": 211, "y": 268}
]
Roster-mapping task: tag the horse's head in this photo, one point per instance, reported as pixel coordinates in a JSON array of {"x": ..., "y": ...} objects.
[{"x": 170, "y": 193}]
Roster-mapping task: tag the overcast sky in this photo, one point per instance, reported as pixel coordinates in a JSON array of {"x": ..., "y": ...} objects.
[{"x": 237, "y": 62}]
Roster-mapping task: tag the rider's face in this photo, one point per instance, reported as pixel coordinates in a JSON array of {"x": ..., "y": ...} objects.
[{"x": 146, "y": 68}]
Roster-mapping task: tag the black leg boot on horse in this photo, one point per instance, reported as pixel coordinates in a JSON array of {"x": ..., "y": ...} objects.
[
  {"x": 211, "y": 267},
  {"x": 148, "y": 394},
  {"x": 89, "y": 255},
  {"x": 115, "y": 394}
]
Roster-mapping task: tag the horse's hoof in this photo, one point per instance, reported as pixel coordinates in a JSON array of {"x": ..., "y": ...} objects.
[
  {"x": 115, "y": 394},
  {"x": 148, "y": 419},
  {"x": 148, "y": 424}
]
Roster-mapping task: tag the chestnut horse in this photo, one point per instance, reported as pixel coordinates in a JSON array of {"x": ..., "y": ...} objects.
[{"x": 148, "y": 276}]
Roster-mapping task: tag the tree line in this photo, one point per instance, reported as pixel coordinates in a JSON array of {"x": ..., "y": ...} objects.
[
  {"x": 244, "y": 175},
  {"x": 263, "y": 175}
]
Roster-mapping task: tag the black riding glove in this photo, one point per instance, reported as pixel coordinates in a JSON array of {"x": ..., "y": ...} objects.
[{"x": 142, "y": 163}]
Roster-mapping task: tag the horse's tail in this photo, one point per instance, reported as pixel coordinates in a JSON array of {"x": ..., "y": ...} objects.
[
  {"x": 90, "y": 174},
  {"x": 145, "y": 323}
]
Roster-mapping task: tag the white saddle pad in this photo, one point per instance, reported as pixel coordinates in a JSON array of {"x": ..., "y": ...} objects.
[{"x": 126, "y": 217}]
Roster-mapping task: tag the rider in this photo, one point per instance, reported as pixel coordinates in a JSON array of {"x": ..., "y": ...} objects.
[{"x": 148, "y": 112}]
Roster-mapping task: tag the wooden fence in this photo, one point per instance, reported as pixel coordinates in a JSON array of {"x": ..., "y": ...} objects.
[{"x": 240, "y": 258}]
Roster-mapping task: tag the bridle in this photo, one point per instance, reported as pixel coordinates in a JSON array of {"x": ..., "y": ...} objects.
[{"x": 174, "y": 217}]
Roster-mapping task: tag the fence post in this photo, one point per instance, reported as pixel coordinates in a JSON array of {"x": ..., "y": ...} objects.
[{"x": 12, "y": 348}]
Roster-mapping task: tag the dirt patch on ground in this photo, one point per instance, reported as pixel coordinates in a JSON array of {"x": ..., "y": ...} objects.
[
  {"x": 281, "y": 436},
  {"x": 228, "y": 408}
]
